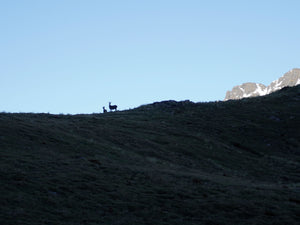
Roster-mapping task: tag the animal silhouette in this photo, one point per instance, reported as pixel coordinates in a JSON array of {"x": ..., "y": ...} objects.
[
  {"x": 104, "y": 110},
  {"x": 112, "y": 107}
]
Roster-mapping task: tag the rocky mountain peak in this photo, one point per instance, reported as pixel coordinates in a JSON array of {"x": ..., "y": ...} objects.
[{"x": 291, "y": 78}]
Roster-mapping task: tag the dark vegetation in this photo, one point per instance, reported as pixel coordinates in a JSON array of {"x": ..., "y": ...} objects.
[{"x": 234, "y": 162}]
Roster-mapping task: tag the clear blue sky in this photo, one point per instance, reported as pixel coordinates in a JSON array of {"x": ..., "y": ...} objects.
[{"x": 71, "y": 56}]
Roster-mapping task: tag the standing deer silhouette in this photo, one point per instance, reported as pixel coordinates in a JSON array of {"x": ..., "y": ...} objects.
[{"x": 112, "y": 107}]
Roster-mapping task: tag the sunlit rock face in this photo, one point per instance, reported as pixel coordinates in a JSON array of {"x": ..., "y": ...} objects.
[
  {"x": 291, "y": 78},
  {"x": 246, "y": 90}
]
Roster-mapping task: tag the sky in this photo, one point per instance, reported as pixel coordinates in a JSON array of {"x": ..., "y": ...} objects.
[{"x": 76, "y": 56}]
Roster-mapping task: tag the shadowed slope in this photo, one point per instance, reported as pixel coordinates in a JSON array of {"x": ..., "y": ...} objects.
[{"x": 234, "y": 162}]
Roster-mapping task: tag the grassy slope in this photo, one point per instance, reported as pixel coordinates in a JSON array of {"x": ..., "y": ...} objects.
[{"x": 234, "y": 162}]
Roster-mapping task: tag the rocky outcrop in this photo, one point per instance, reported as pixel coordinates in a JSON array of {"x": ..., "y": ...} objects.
[{"x": 291, "y": 78}]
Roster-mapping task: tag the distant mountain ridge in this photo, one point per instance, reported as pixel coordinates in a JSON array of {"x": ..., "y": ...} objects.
[{"x": 289, "y": 79}]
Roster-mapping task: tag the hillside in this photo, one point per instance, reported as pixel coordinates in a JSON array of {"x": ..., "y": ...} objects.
[{"x": 233, "y": 162}]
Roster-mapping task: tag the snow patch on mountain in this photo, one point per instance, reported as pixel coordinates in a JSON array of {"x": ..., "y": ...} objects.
[
  {"x": 291, "y": 78},
  {"x": 260, "y": 90}
]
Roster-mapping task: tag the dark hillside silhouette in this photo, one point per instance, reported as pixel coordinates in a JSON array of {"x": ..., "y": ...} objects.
[{"x": 179, "y": 163}]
